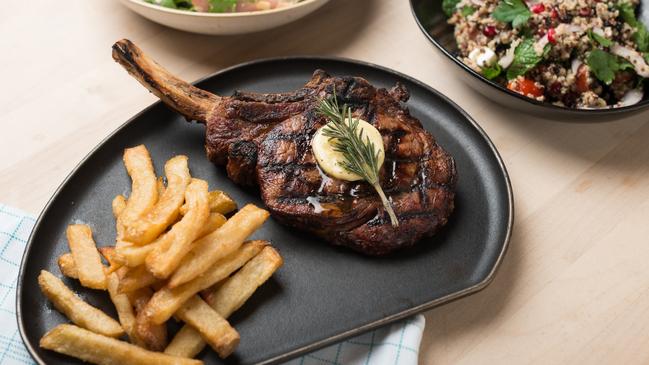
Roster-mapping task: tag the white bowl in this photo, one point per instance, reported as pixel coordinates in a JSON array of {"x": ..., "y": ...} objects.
[{"x": 223, "y": 23}]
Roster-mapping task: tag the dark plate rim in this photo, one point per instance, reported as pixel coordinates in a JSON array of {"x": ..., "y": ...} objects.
[
  {"x": 339, "y": 337},
  {"x": 590, "y": 112}
]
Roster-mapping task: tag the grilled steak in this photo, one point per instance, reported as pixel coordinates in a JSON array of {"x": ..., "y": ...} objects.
[{"x": 265, "y": 140}]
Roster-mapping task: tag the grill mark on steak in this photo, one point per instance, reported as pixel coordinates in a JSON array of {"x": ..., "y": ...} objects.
[{"x": 265, "y": 140}]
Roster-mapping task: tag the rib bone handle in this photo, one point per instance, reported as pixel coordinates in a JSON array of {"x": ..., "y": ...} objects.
[{"x": 188, "y": 100}]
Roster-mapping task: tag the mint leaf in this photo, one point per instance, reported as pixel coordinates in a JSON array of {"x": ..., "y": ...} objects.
[
  {"x": 491, "y": 72},
  {"x": 467, "y": 10},
  {"x": 525, "y": 58},
  {"x": 514, "y": 11},
  {"x": 627, "y": 11},
  {"x": 604, "y": 65},
  {"x": 448, "y": 6},
  {"x": 599, "y": 39},
  {"x": 641, "y": 38},
  {"x": 222, "y": 6}
]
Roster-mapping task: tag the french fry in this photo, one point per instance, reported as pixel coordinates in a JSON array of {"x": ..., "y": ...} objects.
[
  {"x": 227, "y": 298},
  {"x": 132, "y": 255},
  {"x": 168, "y": 253},
  {"x": 161, "y": 185},
  {"x": 86, "y": 257},
  {"x": 216, "y": 331},
  {"x": 136, "y": 278},
  {"x": 154, "y": 336},
  {"x": 165, "y": 211},
  {"x": 144, "y": 190},
  {"x": 220, "y": 202},
  {"x": 166, "y": 301},
  {"x": 123, "y": 307},
  {"x": 67, "y": 266},
  {"x": 214, "y": 221},
  {"x": 118, "y": 205},
  {"x": 79, "y": 312},
  {"x": 219, "y": 244},
  {"x": 91, "y": 347},
  {"x": 111, "y": 256}
]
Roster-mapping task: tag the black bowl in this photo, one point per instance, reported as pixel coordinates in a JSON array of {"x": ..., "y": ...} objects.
[{"x": 433, "y": 23}]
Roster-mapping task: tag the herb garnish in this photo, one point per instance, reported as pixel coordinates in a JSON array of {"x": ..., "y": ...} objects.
[
  {"x": 525, "y": 58},
  {"x": 514, "y": 11},
  {"x": 449, "y": 6},
  {"x": 467, "y": 10},
  {"x": 604, "y": 65},
  {"x": 491, "y": 72},
  {"x": 605, "y": 42},
  {"x": 641, "y": 35},
  {"x": 361, "y": 156}
]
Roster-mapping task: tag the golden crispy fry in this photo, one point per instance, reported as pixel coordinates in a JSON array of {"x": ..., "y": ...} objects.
[
  {"x": 166, "y": 301},
  {"x": 118, "y": 205},
  {"x": 216, "y": 331},
  {"x": 220, "y": 202},
  {"x": 79, "y": 312},
  {"x": 219, "y": 244},
  {"x": 136, "y": 278},
  {"x": 165, "y": 212},
  {"x": 67, "y": 266},
  {"x": 144, "y": 190},
  {"x": 154, "y": 336},
  {"x": 168, "y": 253},
  {"x": 214, "y": 221},
  {"x": 91, "y": 347},
  {"x": 86, "y": 257},
  {"x": 111, "y": 256},
  {"x": 132, "y": 255},
  {"x": 161, "y": 185},
  {"x": 123, "y": 307},
  {"x": 227, "y": 298}
]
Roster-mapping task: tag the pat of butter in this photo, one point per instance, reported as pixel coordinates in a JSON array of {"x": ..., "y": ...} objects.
[
  {"x": 330, "y": 160},
  {"x": 483, "y": 56}
]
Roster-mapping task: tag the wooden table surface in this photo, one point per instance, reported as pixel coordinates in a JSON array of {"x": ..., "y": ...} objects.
[{"x": 574, "y": 286}]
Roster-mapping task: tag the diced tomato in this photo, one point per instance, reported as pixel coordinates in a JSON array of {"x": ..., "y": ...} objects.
[
  {"x": 538, "y": 8},
  {"x": 554, "y": 14},
  {"x": 525, "y": 87}
]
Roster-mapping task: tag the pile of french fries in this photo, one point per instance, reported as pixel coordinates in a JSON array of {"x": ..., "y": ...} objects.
[{"x": 175, "y": 255}]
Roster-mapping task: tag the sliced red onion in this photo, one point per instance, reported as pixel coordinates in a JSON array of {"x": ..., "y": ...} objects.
[
  {"x": 201, "y": 5},
  {"x": 633, "y": 96},
  {"x": 574, "y": 65},
  {"x": 636, "y": 59}
]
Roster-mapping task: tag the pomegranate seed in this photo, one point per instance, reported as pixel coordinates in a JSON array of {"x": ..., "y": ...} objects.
[
  {"x": 584, "y": 11},
  {"x": 489, "y": 31},
  {"x": 554, "y": 14},
  {"x": 538, "y": 8},
  {"x": 551, "y": 34}
]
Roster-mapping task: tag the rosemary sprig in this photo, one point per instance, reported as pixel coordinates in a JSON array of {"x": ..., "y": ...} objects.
[{"x": 361, "y": 157}]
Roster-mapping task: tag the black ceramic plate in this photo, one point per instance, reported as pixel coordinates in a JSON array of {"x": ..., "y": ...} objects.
[
  {"x": 322, "y": 294},
  {"x": 433, "y": 22}
]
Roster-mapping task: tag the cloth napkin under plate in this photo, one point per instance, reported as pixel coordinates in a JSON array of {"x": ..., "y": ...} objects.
[{"x": 396, "y": 344}]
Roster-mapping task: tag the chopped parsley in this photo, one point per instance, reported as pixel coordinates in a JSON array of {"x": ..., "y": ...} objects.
[
  {"x": 467, "y": 10},
  {"x": 525, "y": 58},
  {"x": 491, "y": 72},
  {"x": 514, "y": 11},
  {"x": 605, "y": 42},
  {"x": 448, "y": 6},
  {"x": 604, "y": 65},
  {"x": 641, "y": 35}
]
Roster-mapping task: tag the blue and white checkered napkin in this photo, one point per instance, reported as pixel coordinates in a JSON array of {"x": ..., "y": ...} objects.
[{"x": 396, "y": 344}]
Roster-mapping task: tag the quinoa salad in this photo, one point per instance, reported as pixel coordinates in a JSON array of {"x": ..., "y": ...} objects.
[{"x": 583, "y": 54}]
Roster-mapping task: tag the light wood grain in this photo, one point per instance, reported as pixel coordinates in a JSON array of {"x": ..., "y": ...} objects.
[{"x": 574, "y": 287}]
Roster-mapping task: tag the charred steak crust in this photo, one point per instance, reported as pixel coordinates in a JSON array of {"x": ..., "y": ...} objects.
[{"x": 266, "y": 139}]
